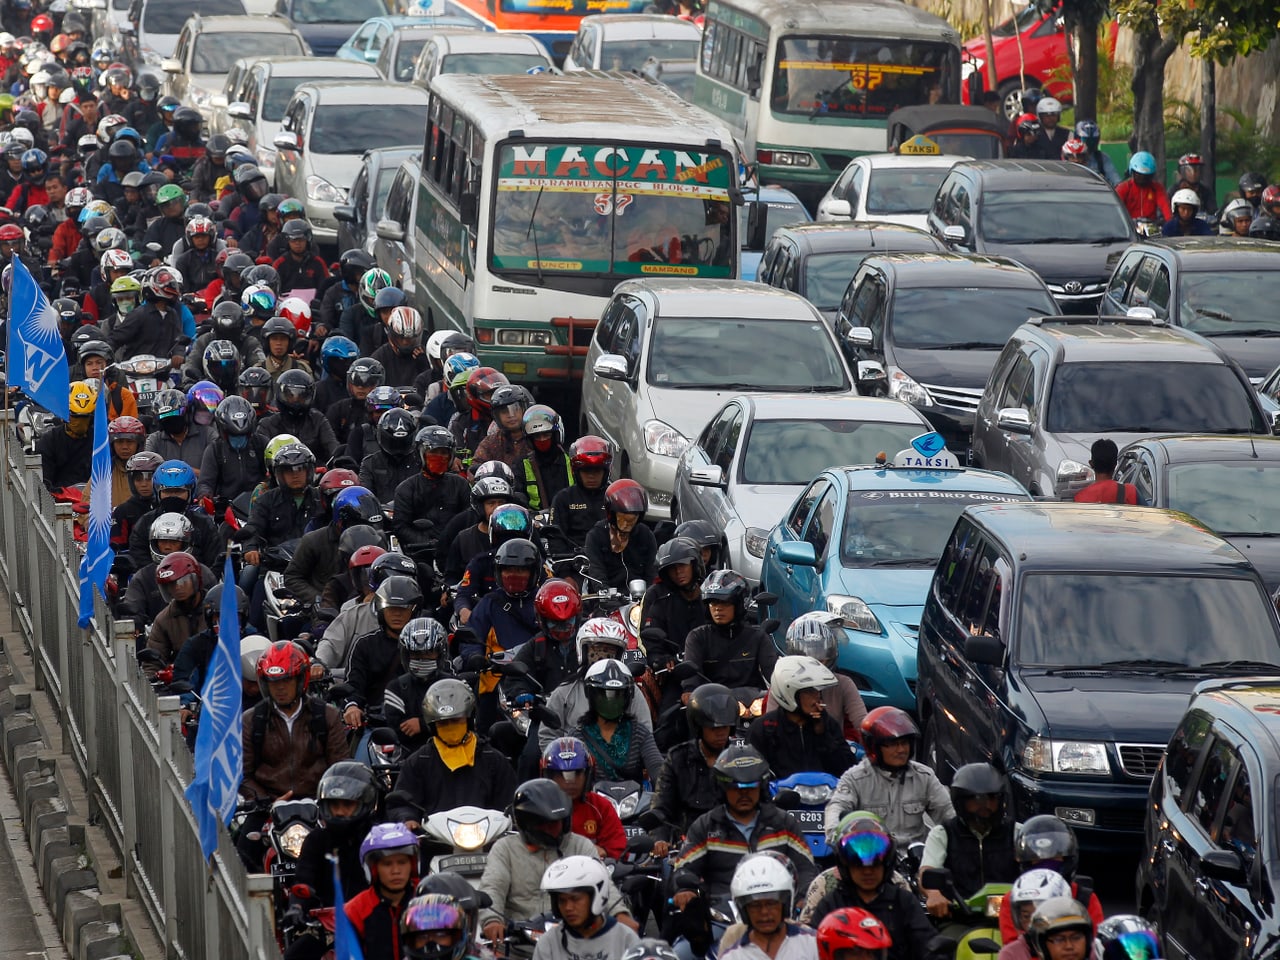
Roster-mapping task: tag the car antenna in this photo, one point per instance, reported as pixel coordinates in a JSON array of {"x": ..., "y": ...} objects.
[{"x": 1254, "y": 447}]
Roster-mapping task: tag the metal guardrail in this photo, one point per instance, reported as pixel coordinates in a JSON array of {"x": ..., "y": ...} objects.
[{"x": 124, "y": 740}]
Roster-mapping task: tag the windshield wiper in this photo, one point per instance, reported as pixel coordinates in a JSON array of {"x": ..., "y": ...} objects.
[
  {"x": 1146, "y": 663},
  {"x": 534, "y": 231},
  {"x": 905, "y": 562},
  {"x": 1110, "y": 240},
  {"x": 1248, "y": 666},
  {"x": 965, "y": 345},
  {"x": 1245, "y": 332}
]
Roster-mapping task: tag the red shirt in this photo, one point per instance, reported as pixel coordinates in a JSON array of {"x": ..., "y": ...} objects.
[
  {"x": 595, "y": 818},
  {"x": 1009, "y": 933},
  {"x": 1107, "y": 491},
  {"x": 1149, "y": 201}
]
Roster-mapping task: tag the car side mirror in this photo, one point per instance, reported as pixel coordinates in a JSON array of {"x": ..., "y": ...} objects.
[
  {"x": 955, "y": 234},
  {"x": 611, "y": 366},
  {"x": 286, "y": 141},
  {"x": 218, "y": 101},
  {"x": 757, "y": 225},
  {"x": 798, "y": 552},
  {"x": 1275, "y": 423},
  {"x": 469, "y": 208},
  {"x": 753, "y": 79},
  {"x": 1224, "y": 865},
  {"x": 871, "y": 371},
  {"x": 983, "y": 945},
  {"x": 389, "y": 230},
  {"x": 985, "y": 650},
  {"x": 344, "y": 212},
  {"x": 170, "y": 65},
  {"x": 710, "y": 476},
  {"x": 1141, "y": 313},
  {"x": 839, "y": 208},
  {"x": 859, "y": 337},
  {"x": 1014, "y": 420},
  {"x": 239, "y": 111}
]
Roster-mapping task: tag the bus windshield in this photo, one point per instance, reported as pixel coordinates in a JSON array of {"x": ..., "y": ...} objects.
[
  {"x": 847, "y": 77},
  {"x": 613, "y": 209}
]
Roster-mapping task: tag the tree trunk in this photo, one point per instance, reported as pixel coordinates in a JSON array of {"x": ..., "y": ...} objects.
[
  {"x": 1209, "y": 126},
  {"x": 1087, "y": 72},
  {"x": 991, "y": 47},
  {"x": 1151, "y": 53}
]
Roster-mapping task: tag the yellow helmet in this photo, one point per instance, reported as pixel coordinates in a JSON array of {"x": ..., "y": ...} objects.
[{"x": 84, "y": 399}]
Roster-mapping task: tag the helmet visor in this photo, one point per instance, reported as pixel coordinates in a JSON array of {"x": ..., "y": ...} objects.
[{"x": 865, "y": 848}]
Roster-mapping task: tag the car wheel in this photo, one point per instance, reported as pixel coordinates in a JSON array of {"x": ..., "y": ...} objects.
[
  {"x": 1011, "y": 98},
  {"x": 930, "y": 755}
]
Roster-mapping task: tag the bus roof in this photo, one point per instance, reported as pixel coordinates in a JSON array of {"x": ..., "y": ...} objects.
[
  {"x": 574, "y": 105},
  {"x": 875, "y": 18}
]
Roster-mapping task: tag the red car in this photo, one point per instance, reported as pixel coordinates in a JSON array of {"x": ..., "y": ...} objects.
[{"x": 1044, "y": 52}]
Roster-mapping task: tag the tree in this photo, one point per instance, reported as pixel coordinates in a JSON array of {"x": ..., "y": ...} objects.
[{"x": 1082, "y": 19}]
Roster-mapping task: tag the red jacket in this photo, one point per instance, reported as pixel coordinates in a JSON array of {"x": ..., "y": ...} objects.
[
  {"x": 595, "y": 818},
  {"x": 1108, "y": 491},
  {"x": 1144, "y": 202},
  {"x": 35, "y": 193},
  {"x": 377, "y": 922}
]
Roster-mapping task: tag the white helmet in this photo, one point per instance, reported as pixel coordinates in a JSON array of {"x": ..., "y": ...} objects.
[
  {"x": 1037, "y": 886},
  {"x": 577, "y": 873},
  {"x": 435, "y": 342},
  {"x": 1048, "y": 105},
  {"x": 170, "y": 526},
  {"x": 600, "y": 630},
  {"x": 1189, "y": 197},
  {"x": 793, "y": 674},
  {"x": 762, "y": 877},
  {"x": 23, "y": 136},
  {"x": 252, "y": 648}
]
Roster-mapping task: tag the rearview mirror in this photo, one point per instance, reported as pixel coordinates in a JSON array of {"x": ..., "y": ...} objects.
[
  {"x": 985, "y": 650},
  {"x": 955, "y": 234},
  {"x": 344, "y": 212},
  {"x": 936, "y": 878},
  {"x": 871, "y": 371},
  {"x": 286, "y": 141},
  {"x": 757, "y": 225},
  {"x": 838, "y": 208},
  {"x": 710, "y": 476},
  {"x": 239, "y": 111},
  {"x": 389, "y": 230},
  {"x": 170, "y": 65},
  {"x": 611, "y": 366},
  {"x": 798, "y": 552},
  {"x": 859, "y": 337},
  {"x": 1224, "y": 865},
  {"x": 1014, "y": 420},
  {"x": 469, "y": 208}
]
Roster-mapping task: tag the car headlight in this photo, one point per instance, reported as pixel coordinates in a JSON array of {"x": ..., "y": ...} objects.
[
  {"x": 854, "y": 613},
  {"x": 813, "y": 794},
  {"x": 469, "y": 836},
  {"x": 1073, "y": 471},
  {"x": 1044, "y": 755},
  {"x": 627, "y": 805},
  {"x": 318, "y": 188},
  {"x": 201, "y": 97},
  {"x": 291, "y": 840},
  {"x": 902, "y": 387},
  {"x": 664, "y": 439},
  {"x": 755, "y": 540}
]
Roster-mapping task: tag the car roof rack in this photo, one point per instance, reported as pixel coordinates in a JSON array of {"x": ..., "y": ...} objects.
[{"x": 1137, "y": 316}]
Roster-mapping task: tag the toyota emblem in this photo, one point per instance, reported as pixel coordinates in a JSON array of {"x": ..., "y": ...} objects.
[{"x": 1074, "y": 286}]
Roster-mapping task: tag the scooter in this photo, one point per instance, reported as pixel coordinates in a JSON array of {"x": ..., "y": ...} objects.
[
  {"x": 458, "y": 840},
  {"x": 289, "y": 825},
  {"x": 631, "y": 799},
  {"x": 804, "y": 795},
  {"x": 147, "y": 375},
  {"x": 972, "y": 932}
]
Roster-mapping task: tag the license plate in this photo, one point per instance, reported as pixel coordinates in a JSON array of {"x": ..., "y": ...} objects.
[
  {"x": 464, "y": 863},
  {"x": 633, "y": 830},
  {"x": 147, "y": 387},
  {"x": 810, "y": 818}
]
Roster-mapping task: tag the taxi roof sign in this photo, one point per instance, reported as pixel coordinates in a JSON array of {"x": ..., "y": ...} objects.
[
  {"x": 927, "y": 451},
  {"x": 919, "y": 146}
]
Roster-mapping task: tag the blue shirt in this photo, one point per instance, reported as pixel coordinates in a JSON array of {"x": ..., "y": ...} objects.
[{"x": 1198, "y": 228}]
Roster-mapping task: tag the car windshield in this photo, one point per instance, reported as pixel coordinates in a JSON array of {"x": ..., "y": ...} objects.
[
  {"x": 1232, "y": 499},
  {"x": 1030, "y": 14},
  {"x": 280, "y": 92},
  {"x": 407, "y": 58},
  {"x": 1046, "y": 216},
  {"x": 904, "y": 528},
  {"x": 628, "y": 55},
  {"x": 1087, "y": 619},
  {"x": 777, "y": 215},
  {"x": 796, "y": 451},
  {"x": 168, "y": 16},
  {"x": 216, "y": 52},
  {"x": 827, "y": 275},
  {"x": 355, "y": 128},
  {"x": 1230, "y": 304},
  {"x": 899, "y": 190},
  {"x": 1149, "y": 398},
  {"x": 711, "y": 353},
  {"x": 335, "y": 11},
  {"x": 492, "y": 64},
  {"x": 963, "y": 318}
]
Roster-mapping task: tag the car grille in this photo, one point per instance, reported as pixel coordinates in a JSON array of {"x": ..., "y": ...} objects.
[
  {"x": 1140, "y": 760},
  {"x": 960, "y": 397},
  {"x": 1130, "y": 821}
]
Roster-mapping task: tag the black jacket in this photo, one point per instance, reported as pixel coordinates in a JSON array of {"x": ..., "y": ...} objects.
[
  {"x": 251, "y": 353},
  {"x": 461, "y": 551},
  {"x": 314, "y": 564},
  {"x": 489, "y": 782},
  {"x": 549, "y": 663},
  {"x": 444, "y": 544},
  {"x": 975, "y": 862},
  {"x": 401, "y": 370},
  {"x": 638, "y": 560},
  {"x": 64, "y": 460},
  {"x": 382, "y": 473},
  {"x": 276, "y": 518},
  {"x": 739, "y": 655},
  {"x": 900, "y": 912},
  {"x": 795, "y": 748},
  {"x": 425, "y": 505},
  {"x": 714, "y": 846},
  {"x": 204, "y": 542},
  {"x": 403, "y": 701},
  {"x": 685, "y": 790},
  {"x": 373, "y": 661},
  {"x": 227, "y": 472},
  {"x": 577, "y": 510},
  {"x": 315, "y": 870},
  {"x": 166, "y": 232},
  {"x": 668, "y": 609},
  {"x": 345, "y": 415},
  {"x": 148, "y": 329},
  {"x": 311, "y": 428}
]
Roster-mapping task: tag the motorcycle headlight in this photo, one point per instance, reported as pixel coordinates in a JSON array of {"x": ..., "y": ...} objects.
[
  {"x": 627, "y": 805},
  {"x": 144, "y": 368},
  {"x": 633, "y": 616},
  {"x": 291, "y": 840},
  {"x": 664, "y": 439},
  {"x": 520, "y": 720},
  {"x": 469, "y": 836},
  {"x": 318, "y": 188},
  {"x": 854, "y": 613},
  {"x": 813, "y": 794}
]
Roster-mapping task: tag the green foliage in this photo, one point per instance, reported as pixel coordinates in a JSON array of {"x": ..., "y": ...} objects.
[
  {"x": 1182, "y": 125},
  {"x": 1243, "y": 146},
  {"x": 968, "y": 29}
]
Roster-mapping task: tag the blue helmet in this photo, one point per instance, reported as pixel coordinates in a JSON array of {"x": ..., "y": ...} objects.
[
  {"x": 385, "y": 840},
  {"x": 356, "y": 505},
  {"x": 566, "y": 753},
  {"x": 174, "y": 475},
  {"x": 337, "y": 347},
  {"x": 459, "y": 363},
  {"x": 1142, "y": 162}
]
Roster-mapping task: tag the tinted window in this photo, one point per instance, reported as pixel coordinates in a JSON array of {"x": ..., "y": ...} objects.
[
  {"x": 955, "y": 564},
  {"x": 1046, "y": 216},
  {"x": 1138, "y": 397},
  {"x": 168, "y": 16},
  {"x": 353, "y": 128},
  {"x": 630, "y": 55},
  {"x": 904, "y": 528},
  {"x": 1120, "y": 282},
  {"x": 724, "y": 456},
  {"x": 1184, "y": 750},
  {"x": 279, "y": 91},
  {"x": 822, "y": 523},
  {"x": 336, "y": 11},
  {"x": 491, "y": 63},
  {"x": 827, "y": 275},
  {"x": 976, "y": 318},
  {"x": 406, "y": 56},
  {"x": 796, "y": 518},
  {"x": 216, "y": 52},
  {"x": 1085, "y": 619},
  {"x": 386, "y": 176},
  {"x": 898, "y": 190},
  {"x": 792, "y": 451},
  {"x": 1229, "y": 498},
  {"x": 1234, "y": 304},
  {"x": 708, "y": 353},
  {"x": 1211, "y": 798}
]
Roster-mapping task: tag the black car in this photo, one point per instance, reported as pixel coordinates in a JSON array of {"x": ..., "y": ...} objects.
[
  {"x": 1060, "y": 219},
  {"x": 1209, "y": 858},
  {"x": 816, "y": 260},
  {"x": 1222, "y": 288},
  {"x": 1061, "y": 641},
  {"x": 1230, "y": 484},
  {"x": 926, "y": 328}
]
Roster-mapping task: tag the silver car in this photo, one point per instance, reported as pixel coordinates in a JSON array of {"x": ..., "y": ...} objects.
[
  {"x": 667, "y": 354},
  {"x": 327, "y": 128},
  {"x": 753, "y": 458}
]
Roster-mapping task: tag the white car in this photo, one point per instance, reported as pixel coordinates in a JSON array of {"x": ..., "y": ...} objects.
[
  {"x": 886, "y": 187},
  {"x": 624, "y": 41},
  {"x": 477, "y": 51},
  {"x": 747, "y": 466},
  {"x": 327, "y": 128},
  {"x": 667, "y": 354},
  {"x": 160, "y": 21},
  {"x": 258, "y": 92}
]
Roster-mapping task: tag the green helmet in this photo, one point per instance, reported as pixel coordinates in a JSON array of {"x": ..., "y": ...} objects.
[
  {"x": 170, "y": 192},
  {"x": 275, "y": 445},
  {"x": 126, "y": 285},
  {"x": 6, "y": 102},
  {"x": 373, "y": 281}
]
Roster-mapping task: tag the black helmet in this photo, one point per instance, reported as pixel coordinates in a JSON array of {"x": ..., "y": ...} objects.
[
  {"x": 396, "y": 591},
  {"x": 726, "y": 586},
  {"x": 434, "y": 438},
  {"x": 353, "y": 264},
  {"x": 741, "y": 763},
  {"x": 542, "y": 812},
  {"x": 712, "y": 705},
  {"x": 1251, "y": 182},
  {"x": 390, "y": 565},
  {"x": 676, "y": 551},
  {"x": 366, "y": 372},
  {"x": 295, "y": 391},
  {"x": 975, "y": 780},
  {"x": 1265, "y": 227},
  {"x": 296, "y": 229},
  {"x": 1045, "y": 837},
  {"x": 705, "y": 535},
  {"x": 218, "y": 145},
  {"x": 94, "y": 348},
  {"x": 484, "y": 489},
  {"x": 222, "y": 364},
  {"x": 262, "y": 273},
  {"x": 278, "y": 327},
  {"x": 233, "y": 268},
  {"x": 250, "y": 182},
  {"x": 122, "y": 151},
  {"x": 235, "y": 416},
  {"x": 292, "y": 456},
  {"x": 610, "y": 688},
  {"x": 359, "y": 535},
  {"x": 347, "y": 780},
  {"x": 227, "y": 319},
  {"x": 517, "y": 555},
  {"x": 213, "y": 603},
  {"x": 254, "y": 384},
  {"x": 395, "y": 432}
]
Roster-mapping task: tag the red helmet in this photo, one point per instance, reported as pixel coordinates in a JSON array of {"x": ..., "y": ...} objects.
[
  {"x": 480, "y": 386},
  {"x": 1270, "y": 196},
  {"x": 1074, "y": 148},
  {"x": 850, "y": 928},
  {"x": 42, "y": 23},
  {"x": 557, "y": 604},
  {"x": 1191, "y": 160},
  {"x": 590, "y": 451},
  {"x": 1028, "y": 123},
  {"x": 11, "y": 233},
  {"x": 335, "y": 481},
  {"x": 884, "y": 724},
  {"x": 625, "y": 496},
  {"x": 126, "y": 427},
  {"x": 173, "y": 570},
  {"x": 298, "y": 312},
  {"x": 365, "y": 556},
  {"x": 284, "y": 660}
]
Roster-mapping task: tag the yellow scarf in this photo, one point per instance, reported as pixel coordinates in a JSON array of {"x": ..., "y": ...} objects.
[{"x": 458, "y": 755}]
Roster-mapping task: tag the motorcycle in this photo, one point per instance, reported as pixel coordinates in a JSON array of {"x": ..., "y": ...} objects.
[
  {"x": 146, "y": 376},
  {"x": 286, "y": 616},
  {"x": 805, "y": 796},
  {"x": 631, "y": 799},
  {"x": 458, "y": 840},
  {"x": 289, "y": 825},
  {"x": 973, "y": 929}
]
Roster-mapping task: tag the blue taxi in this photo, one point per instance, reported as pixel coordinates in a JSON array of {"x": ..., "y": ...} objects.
[{"x": 862, "y": 542}]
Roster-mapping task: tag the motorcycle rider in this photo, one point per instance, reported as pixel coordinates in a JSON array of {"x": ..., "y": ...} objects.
[
  {"x": 1186, "y": 221},
  {"x": 504, "y": 618},
  {"x": 456, "y": 767},
  {"x": 1061, "y": 929},
  {"x": 182, "y": 588},
  {"x": 1096, "y": 160},
  {"x": 546, "y": 468},
  {"x": 424, "y": 657},
  {"x": 578, "y": 887},
  {"x": 686, "y": 788},
  {"x": 155, "y": 327},
  {"x": 300, "y": 267},
  {"x": 317, "y": 560},
  {"x": 125, "y": 436},
  {"x": 343, "y": 294},
  {"x": 394, "y": 460},
  {"x": 1190, "y": 168},
  {"x": 976, "y": 845},
  {"x": 465, "y": 548},
  {"x": 233, "y": 463},
  {"x": 374, "y": 659},
  {"x": 350, "y": 413},
  {"x": 568, "y": 763},
  {"x": 282, "y": 513},
  {"x": 620, "y": 548},
  {"x": 348, "y": 801},
  {"x": 1143, "y": 196},
  {"x": 440, "y": 405},
  {"x": 139, "y": 472},
  {"x": 402, "y": 355},
  {"x": 470, "y": 426},
  {"x": 764, "y": 891},
  {"x": 798, "y": 734},
  {"x": 508, "y": 521},
  {"x": 577, "y": 510},
  {"x": 227, "y": 320},
  {"x": 390, "y": 857},
  {"x": 174, "y": 486},
  {"x": 813, "y": 635},
  {"x": 1237, "y": 216},
  {"x": 345, "y": 586},
  {"x": 1053, "y": 136},
  {"x": 295, "y": 392},
  {"x": 623, "y": 748},
  {"x": 361, "y": 438},
  {"x": 1029, "y": 891},
  {"x": 1044, "y": 841},
  {"x": 357, "y": 617},
  {"x": 427, "y": 501},
  {"x": 550, "y": 656},
  {"x": 66, "y": 452},
  {"x": 280, "y": 337},
  {"x": 142, "y": 601},
  {"x": 506, "y": 439},
  {"x": 729, "y": 650},
  {"x": 337, "y": 353},
  {"x": 674, "y": 604}
]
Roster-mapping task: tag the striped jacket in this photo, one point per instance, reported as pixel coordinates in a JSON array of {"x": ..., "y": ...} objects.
[{"x": 714, "y": 846}]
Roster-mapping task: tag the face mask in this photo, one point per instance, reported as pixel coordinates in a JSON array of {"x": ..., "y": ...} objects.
[
  {"x": 452, "y": 732},
  {"x": 238, "y": 443},
  {"x": 436, "y": 463},
  {"x": 173, "y": 425},
  {"x": 173, "y": 505},
  {"x": 423, "y": 669},
  {"x": 542, "y": 442}
]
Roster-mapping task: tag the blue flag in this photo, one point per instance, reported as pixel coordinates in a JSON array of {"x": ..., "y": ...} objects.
[
  {"x": 346, "y": 945},
  {"x": 98, "y": 555},
  {"x": 37, "y": 360},
  {"x": 219, "y": 755}
]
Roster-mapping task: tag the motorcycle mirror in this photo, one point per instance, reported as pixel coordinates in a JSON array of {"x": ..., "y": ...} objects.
[
  {"x": 301, "y": 891},
  {"x": 770, "y": 625},
  {"x": 765, "y": 599},
  {"x": 787, "y": 799},
  {"x": 684, "y": 670},
  {"x": 935, "y": 878},
  {"x": 984, "y": 945},
  {"x": 636, "y": 587},
  {"x": 147, "y": 655},
  {"x": 638, "y": 668},
  {"x": 398, "y": 798},
  {"x": 653, "y": 635},
  {"x": 544, "y": 716},
  {"x": 641, "y": 844}
]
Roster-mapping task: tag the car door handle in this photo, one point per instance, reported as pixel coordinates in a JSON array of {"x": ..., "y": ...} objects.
[
  {"x": 1202, "y": 885},
  {"x": 1168, "y": 847}
]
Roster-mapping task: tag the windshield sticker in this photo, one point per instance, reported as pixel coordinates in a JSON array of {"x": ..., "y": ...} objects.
[{"x": 938, "y": 495}]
